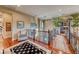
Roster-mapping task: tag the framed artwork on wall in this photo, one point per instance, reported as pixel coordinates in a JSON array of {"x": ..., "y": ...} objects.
[
  {"x": 8, "y": 26},
  {"x": 33, "y": 25},
  {"x": 20, "y": 24}
]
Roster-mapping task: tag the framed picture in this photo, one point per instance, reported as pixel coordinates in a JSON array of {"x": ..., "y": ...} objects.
[
  {"x": 33, "y": 25},
  {"x": 8, "y": 26},
  {"x": 20, "y": 24}
]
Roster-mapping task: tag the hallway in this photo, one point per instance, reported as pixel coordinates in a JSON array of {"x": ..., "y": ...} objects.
[{"x": 56, "y": 34}]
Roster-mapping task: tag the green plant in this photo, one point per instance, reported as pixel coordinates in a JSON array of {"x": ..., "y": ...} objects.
[
  {"x": 75, "y": 23},
  {"x": 75, "y": 16},
  {"x": 75, "y": 19},
  {"x": 56, "y": 22}
]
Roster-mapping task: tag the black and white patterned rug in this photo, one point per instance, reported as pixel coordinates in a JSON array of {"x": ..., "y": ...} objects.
[{"x": 27, "y": 48}]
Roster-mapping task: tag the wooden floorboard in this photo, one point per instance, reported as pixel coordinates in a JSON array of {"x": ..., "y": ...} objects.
[{"x": 8, "y": 42}]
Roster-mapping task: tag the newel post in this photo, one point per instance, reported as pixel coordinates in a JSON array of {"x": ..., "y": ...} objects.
[
  {"x": 34, "y": 32},
  {"x": 49, "y": 38}
]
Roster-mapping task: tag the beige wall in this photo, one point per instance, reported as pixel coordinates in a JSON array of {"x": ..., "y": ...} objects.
[
  {"x": 5, "y": 18},
  {"x": 17, "y": 17},
  {"x": 48, "y": 25},
  {"x": 22, "y": 17}
]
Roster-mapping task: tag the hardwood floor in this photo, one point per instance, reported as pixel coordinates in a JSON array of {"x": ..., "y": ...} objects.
[
  {"x": 8, "y": 42},
  {"x": 57, "y": 51},
  {"x": 70, "y": 46}
]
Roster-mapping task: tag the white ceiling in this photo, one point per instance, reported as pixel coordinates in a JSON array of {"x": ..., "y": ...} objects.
[{"x": 45, "y": 11}]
